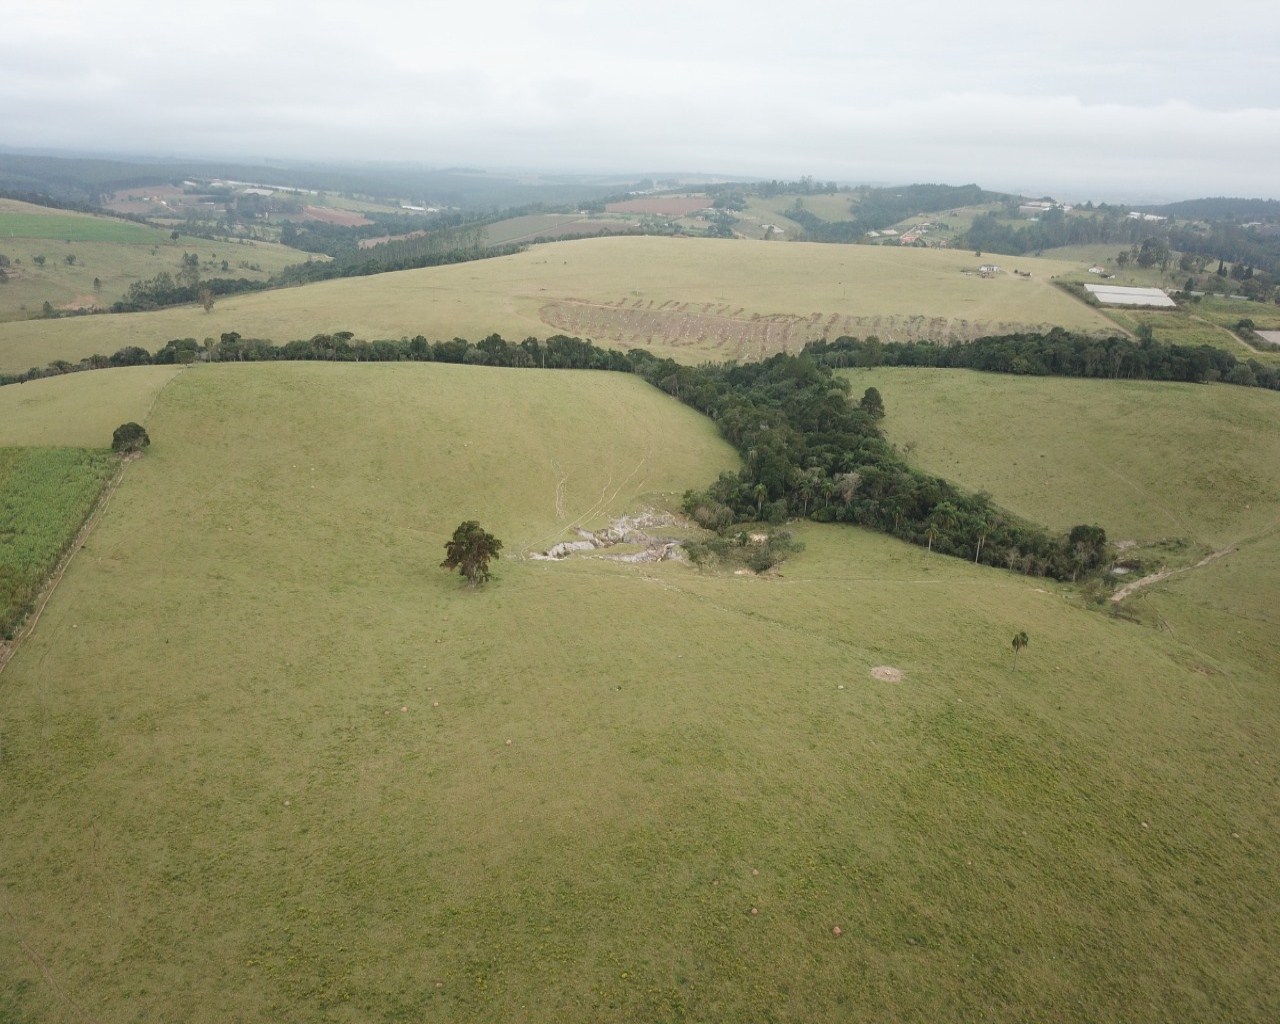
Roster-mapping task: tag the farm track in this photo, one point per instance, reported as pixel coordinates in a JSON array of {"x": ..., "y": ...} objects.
[
  {"x": 1164, "y": 574},
  {"x": 1229, "y": 333},
  {"x": 1158, "y": 577}
]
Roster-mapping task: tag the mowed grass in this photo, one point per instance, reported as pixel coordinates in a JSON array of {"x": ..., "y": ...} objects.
[
  {"x": 45, "y": 496},
  {"x": 81, "y": 409},
  {"x": 1146, "y": 460},
  {"x": 513, "y": 296},
  {"x": 256, "y": 759}
]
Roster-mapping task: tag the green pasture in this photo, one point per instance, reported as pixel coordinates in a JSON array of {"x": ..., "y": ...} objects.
[
  {"x": 263, "y": 760},
  {"x": 1148, "y": 460},
  {"x": 20, "y": 221},
  {"x": 115, "y": 262},
  {"x": 45, "y": 496},
  {"x": 81, "y": 409},
  {"x": 551, "y": 225},
  {"x": 1203, "y": 323},
  {"x": 512, "y": 295}
]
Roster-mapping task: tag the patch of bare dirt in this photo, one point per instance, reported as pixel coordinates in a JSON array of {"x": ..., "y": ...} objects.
[
  {"x": 887, "y": 673},
  {"x": 629, "y": 530},
  {"x": 369, "y": 243},
  {"x": 343, "y": 218},
  {"x": 663, "y": 206}
]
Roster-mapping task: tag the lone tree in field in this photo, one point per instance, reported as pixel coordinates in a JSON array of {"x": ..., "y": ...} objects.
[
  {"x": 1019, "y": 641},
  {"x": 129, "y": 438},
  {"x": 470, "y": 550}
]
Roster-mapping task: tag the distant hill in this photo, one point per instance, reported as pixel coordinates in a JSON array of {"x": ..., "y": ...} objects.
[
  {"x": 1220, "y": 208},
  {"x": 86, "y": 180}
]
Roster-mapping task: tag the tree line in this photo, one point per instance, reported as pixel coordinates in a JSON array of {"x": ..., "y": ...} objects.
[
  {"x": 1058, "y": 353},
  {"x": 809, "y": 451}
]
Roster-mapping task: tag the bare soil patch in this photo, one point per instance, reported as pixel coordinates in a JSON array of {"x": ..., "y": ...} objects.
[
  {"x": 343, "y": 218},
  {"x": 665, "y": 206},
  {"x": 629, "y": 530},
  {"x": 887, "y": 673},
  {"x": 369, "y": 243}
]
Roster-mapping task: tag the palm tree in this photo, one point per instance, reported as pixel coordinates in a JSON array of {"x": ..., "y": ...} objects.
[{"x": 1019, "y": 641}]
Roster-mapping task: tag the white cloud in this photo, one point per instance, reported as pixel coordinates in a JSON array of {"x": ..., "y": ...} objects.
[{"x": 1003, "y": 93}]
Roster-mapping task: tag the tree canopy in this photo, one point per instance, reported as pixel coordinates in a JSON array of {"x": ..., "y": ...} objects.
[
  {"x": 469, "y": 551},
  {"x": 129, "y": 437}
]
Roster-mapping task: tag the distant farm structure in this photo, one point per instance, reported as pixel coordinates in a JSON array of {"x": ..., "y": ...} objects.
[{"x": 1115, "y": 295}]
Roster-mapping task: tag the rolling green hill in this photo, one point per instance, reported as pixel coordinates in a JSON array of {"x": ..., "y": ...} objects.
[
  {"x": 677, "y": 296},
  {"x": 264, "y": 760},
  {"x": 80, "y": 261},
  {"x": 1149, "y": 460}
]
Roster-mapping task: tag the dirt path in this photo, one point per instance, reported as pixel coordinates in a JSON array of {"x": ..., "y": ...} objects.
[
  {"x": 1229, "y": 333},
  {"x": 1157, "y": 577}
]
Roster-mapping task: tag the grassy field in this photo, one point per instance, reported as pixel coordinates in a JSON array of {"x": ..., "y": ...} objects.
[
  {"x": 1204, "y": 323},
  {"x": 552, "y": 225},
  {"x": 264, "y": 761},
  {"x": 694, "y": 299},
  {"x": 1149, "y": 460},
  {"x": 115, "y": 253},
  {"x": 45, "y": 496},
  {"x": 63, "y": 226},
  {"x": 80, "y": 410}
]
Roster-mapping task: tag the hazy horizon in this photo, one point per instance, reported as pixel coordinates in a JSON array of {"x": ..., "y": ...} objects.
[{"x": 1128, "y": 105}]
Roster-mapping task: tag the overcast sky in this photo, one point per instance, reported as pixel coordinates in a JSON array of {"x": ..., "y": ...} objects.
[{"x": 1125, "y": 100}]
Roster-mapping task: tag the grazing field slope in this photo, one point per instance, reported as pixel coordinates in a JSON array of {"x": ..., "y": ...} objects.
[
  {"x": 77, "y": 261},
  {"x": 693, "y": 299},
  {"x": 81, "y": 409},
  {"x": 263, "y": 760},
  {"x": 1148, "y": 460}
]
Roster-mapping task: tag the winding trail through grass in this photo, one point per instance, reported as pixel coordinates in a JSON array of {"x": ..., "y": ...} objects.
[{"x": 1156, "y": 577}]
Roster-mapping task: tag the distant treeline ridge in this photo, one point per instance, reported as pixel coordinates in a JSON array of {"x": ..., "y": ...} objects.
[{"x": 1057, "y": 353}]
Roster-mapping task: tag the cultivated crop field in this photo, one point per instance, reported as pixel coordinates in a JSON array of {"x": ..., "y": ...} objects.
[
  {"x": 263, "y": 760},
  {"x": 23, "y": 220},
  {"x": 725, "y": 295},
  {"x": 661, "y": 206},
  {"x": 45, "y": 494}
]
